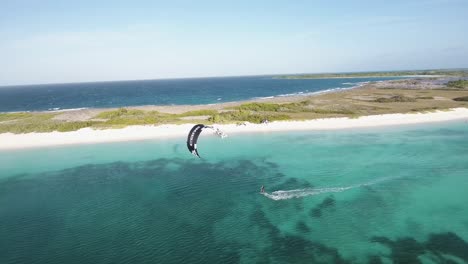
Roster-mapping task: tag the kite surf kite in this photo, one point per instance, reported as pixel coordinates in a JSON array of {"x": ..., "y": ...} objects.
[{"x": 195, "y": 132}]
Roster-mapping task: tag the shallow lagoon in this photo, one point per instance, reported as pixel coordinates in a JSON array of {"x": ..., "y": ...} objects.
[{"x": 357, "y": 196}]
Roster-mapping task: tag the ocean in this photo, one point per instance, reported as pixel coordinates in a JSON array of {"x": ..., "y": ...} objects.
[
  {"x": 376, "y": 195},
  {"x": 51, "y": 97}
]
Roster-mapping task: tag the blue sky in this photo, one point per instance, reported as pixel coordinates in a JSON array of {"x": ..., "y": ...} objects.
[{"x": 54, "y": 41}]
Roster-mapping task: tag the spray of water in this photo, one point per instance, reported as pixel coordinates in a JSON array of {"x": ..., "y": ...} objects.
[{"x": 298, "y": 193}]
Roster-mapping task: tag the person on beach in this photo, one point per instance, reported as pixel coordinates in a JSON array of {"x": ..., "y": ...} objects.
[{"x": 262, "y": 190}]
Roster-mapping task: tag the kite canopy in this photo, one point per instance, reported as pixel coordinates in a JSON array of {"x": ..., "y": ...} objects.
[{"x": 192, "y": 138}]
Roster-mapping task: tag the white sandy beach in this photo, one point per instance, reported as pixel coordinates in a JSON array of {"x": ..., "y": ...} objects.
[{"x": 90, "y": 136}]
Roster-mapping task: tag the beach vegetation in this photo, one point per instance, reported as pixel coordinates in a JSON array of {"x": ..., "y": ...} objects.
[
  {"x": 355, "y": 116},
  {"x": 72, "y": 126},
  {"x": 258, "y": 107},
  {"x": 44, "y": 122},
  {"x": 332, "y": 111},
  {"x": 14, "y": 116},
  {"x": 119, "y": 113},
  {"x": 460, "y": 84},
  {"x": 127, "y": 117},
  {"x": 246, "y": 116},
  {"x": 271, "y": 107},
  {"x": 295, "y": 107},
  {"x": 27, "y": 122},
  {"x": 43, "y": 125},
  {"x": 395, "y": 98},
  {"x": 426, "y": 109},
  {"x": 203, "y": 112},
  {"x": 139, "y": 117}
]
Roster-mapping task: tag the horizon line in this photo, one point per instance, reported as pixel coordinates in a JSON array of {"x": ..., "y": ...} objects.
[{"x": 227, "y": 76}]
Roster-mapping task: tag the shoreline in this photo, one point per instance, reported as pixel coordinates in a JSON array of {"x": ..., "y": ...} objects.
[
  {"x": 279, "y": 98},
  {"x": 214, "y": 105},
  {"x": 9, "y": 141},
  {"x": 299, "y": 77}
]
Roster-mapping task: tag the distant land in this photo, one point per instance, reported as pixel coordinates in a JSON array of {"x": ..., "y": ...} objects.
[
  {"x": 412, "y": 95},
  {"x": 428, "y": 73}
]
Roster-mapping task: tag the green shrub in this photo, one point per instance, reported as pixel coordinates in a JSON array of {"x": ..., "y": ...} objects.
[
  {"x": 128, "y": 117},
  {"x": 245, "y": 116},
  {"x": 72, "y": 126},
  {"x": 44, "y": 126},
  {"x": 330, "y": 112},
  {"x": 396, "y": 98},
  {"x": 13, "y": 116},
  {"x": 259, "y": 107},
  {"x": 216, "y": 118},
  {"x": 461, "y": 99},
  {"x": 270, "y": 107},
  {"x": 460, "y": 84},
  {"x": 206, "y": 112},
  {"x": 120, "y": 112}
]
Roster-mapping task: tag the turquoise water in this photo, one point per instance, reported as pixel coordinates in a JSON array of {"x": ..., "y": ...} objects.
[{"x": 360, "y": 196}]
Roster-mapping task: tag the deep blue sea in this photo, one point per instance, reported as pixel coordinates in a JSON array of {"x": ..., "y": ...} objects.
[{"x": 162, "y": 92}]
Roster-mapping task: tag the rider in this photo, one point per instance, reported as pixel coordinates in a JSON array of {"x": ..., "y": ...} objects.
[{"x": 262, "y": 190}]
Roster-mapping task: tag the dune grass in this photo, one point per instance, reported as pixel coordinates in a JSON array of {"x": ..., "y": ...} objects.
[
  {"x": 126, "y": 117},
  {"x": 271, "y": 107},
  {"x": 395, "y": 99},
  {"x": 119, "y": 113},
  {"x": 38, "y": 122},
  {"x": 296, "y": 107},
  {"x": 203, "y": 112},
  {"x": 246, "y": 116},
  {"x": 14, "y": 116}
]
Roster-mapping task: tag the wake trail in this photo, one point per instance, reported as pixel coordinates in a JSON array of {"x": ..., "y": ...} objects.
[{"x": 298, "y": 193}]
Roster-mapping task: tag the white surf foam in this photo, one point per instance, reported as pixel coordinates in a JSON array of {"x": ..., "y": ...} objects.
[
  {"x": 349, "y": 86},
  {"x": 266, "y": 97},
  {"x": 299, "y": 193},
  {"x": 57, "y": 109}
]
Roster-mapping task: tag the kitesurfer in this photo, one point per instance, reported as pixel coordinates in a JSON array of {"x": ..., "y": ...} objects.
[
  {"x": 262, "y": 190},
  {"x": 194, "y": 133}
]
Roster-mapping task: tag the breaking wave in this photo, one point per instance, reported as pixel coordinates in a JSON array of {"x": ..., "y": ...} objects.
[{"x": 58, "y": 109}]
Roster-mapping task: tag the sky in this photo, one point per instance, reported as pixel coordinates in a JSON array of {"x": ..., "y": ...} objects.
[{"x": 45, "y": 41}]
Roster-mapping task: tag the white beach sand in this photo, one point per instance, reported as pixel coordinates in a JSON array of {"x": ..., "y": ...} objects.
[{"x": 89, "y": 136}]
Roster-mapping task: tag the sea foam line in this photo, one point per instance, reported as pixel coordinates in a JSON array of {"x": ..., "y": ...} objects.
[
  {"x": 331, "y": 90},
  {"x": 58, "y": 109},
  {"x": 299, "y": 193}
]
